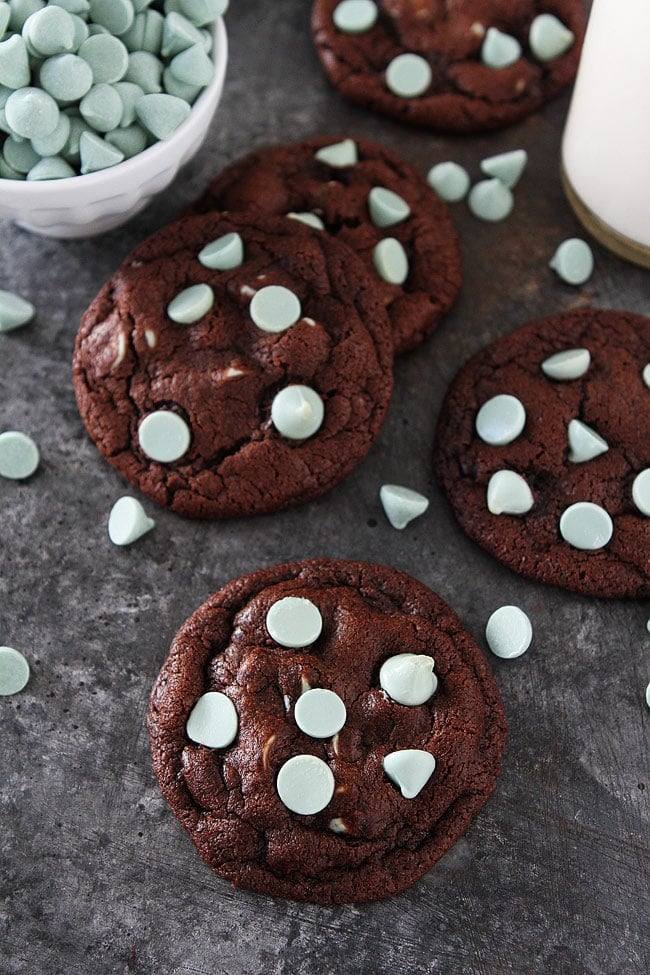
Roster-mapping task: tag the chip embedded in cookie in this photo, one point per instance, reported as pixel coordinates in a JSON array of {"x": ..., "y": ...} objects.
[
  {"x": 454, "y": 65},
  {"x": 325, "y": 730},
  {"x": 372, "y": 200},
  {"x": 235, "y": 365},
  {"x": 543, "y": 450}
]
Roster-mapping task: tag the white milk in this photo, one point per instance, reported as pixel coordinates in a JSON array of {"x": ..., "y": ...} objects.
[{"x": 606, "y": 146}]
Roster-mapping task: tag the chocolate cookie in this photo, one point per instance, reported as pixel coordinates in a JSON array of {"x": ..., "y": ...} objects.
[
  {"x": 235, "y": 365},
  {"x": 455, "y": 65},
  {"x": 325, "y": 730},
  {"x": 371, "y": 199},
  {"x": 542, "y": 448}
]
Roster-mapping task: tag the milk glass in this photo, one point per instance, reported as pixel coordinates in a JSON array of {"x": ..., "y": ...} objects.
[{"x": 606, "y": 144}]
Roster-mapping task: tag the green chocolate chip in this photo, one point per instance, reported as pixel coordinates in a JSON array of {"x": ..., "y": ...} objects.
[
  {"x": 390, "y": 260},
  {"x": 14, "y": 311},
  {"x": 32, "y": 113},
  {"x": 508, "y": 494},
  {"x": 72, "y": 6},
  {"x": 66, "y": 77},
  {"x": 34, "y": 56},
  {"x": 53, "y": 167},
  {"x": 584, "y": 443},
  {"x": 191, "y": 304},
  {"x": 164, "y": 436},
  {"x": 145, "y": 70},
  {"x": 500, "y": 420},
  {"x": 21, "y": 10},
  {"x": 128, "y": 521},
  {"x": 14, "y": 671},
  {"x": 499, "y": 50},
  {"x": 275, "y": 308},
  {"x": 339, "y": 155},
  {"x": 96, "y": 153},
  {"x": 173, "y": 86},
  {"x": 115, "y": 15},
  {"x": 129, "y": 140},
  {"x": 108, "y": 58},
  {"x": 297, "y": 412},
  {"x": 133, "y": 38},
  {"x": 70, "y": 151},
  {"x": 568, "y": 364},
  {"x": 586, "y": 526},
  {"x": 308, "y": 218},
  {"x": 53, "y": 144},
  {"x": 19, "y": 456},
  {"x": 20, "y": 155},
  {"x": 179, "y": 33},
  {"x": 193, "y": 66},
  {"x": 409, "y": 769},
  {"x": 154, "y": 25},
  {"x": 490, "y": 200},
  {"x": 506, "y": 166},
  {"x": 641, "y": 491},
  {"x": 129, "y": 94},
  {"x": 213, "y": 721},
  {"x": 102, "y": 108},
  {"x": 161, "y": 114},
  {"x": 50, "y": 31},
  {"x": 294, "y": 622},
  {"x": 7, "y": 171},
  {"x": 509, "y": 632},
  {"x": 224, "y": 253},
  {"x": 145, "y": 33},
  {"x": 305, "y": 784},
  {"x": 549, "y": 38},
  {"x": 14, "y": 63},
  {"x": 573, "y": 261},
  {"x": 208, "y": 40},
  {"x": 81, "y": 32},
  {"x": 386, "y": 208},
  {"x": 140, "y": 5},
  {"x": 408, "y": 75},
  {"x": 202, "y": 12},
  {"x": 401, "y": 504},
  {"x": 355, "y": 16},
  {"x": 449, "y": 180},
  {"x": 5, "y": 15}
]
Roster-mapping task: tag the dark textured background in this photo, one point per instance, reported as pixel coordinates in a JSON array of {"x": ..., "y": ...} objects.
[{"x": 96, "y": 876}]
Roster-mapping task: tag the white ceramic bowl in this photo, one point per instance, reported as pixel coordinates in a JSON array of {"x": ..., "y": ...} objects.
[{"x": 83, "y": 206}]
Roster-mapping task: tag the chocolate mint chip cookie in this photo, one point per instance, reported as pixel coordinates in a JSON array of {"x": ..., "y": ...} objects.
[
  {"x": 542, "y": 448},
  {"x": 235, "y": 365},
  {"x": 325, "y": 730},
  {"x": 373, "y": 201},
  {"x": 456, "y": 65}
]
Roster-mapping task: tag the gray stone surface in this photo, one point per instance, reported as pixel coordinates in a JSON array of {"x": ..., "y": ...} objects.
[{"x": 96, "y": 876}]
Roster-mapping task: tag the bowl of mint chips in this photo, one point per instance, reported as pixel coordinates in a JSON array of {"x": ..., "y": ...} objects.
[{"x": 101, "y": 103}]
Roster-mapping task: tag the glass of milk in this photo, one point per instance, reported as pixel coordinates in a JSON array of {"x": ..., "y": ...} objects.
[{"x": 606, "y": 144}]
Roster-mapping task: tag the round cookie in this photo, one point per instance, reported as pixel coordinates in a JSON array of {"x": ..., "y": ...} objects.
[
  {"x": 185, "y": 373},
  {"x": 441, "y": 80},
  {"x": 393, "y": 788},
  {"x": 553, "y": 497},
  {"x": 350, "y": 201}
]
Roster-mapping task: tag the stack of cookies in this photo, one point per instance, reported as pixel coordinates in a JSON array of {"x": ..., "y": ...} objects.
[{"x": 240, "y": 360}]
